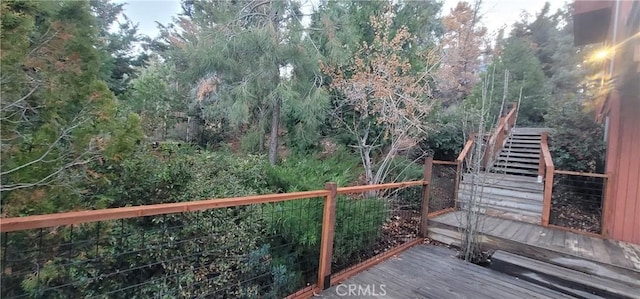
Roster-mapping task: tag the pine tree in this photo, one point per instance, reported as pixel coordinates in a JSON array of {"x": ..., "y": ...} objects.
[
  {"x": 57, "y": 116},
  {"x": 119, "y": 59},
  {"x": 248, "y": 65},
  {"x": 525, "y": 72}
]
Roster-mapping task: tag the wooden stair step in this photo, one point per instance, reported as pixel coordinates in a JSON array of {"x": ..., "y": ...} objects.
[
  {"x": 525, "y": 145},
  {"x": 559, "y": 278},
  {"x": 506, "y": 193},
  {"x": 526, "y": 130},
  {"x": 515, "y": 165},
  {"x": 521, "y": 148},
  {"x": 522, "y": 140},
  {"x": 512, "y": 186},
  {"x": 492, "y": 202},
  {"x": 515, "y": 170},
  {"x": 529, "y": 137},
  {"x": 514, "y": 214},
  {"x": 519, "y": 155},
  {"x": 444, "y": 235},
  {"x": 490, "y": 176},
  {"x": 527, "y": 152},
  {"x": 515, "y": 159}
]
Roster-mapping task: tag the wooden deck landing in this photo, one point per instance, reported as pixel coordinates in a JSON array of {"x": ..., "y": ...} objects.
[
  {"x": 593, "y": 255},
  {"x": 434, "y": 272}
]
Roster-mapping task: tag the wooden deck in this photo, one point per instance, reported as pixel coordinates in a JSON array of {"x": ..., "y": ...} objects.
[
  {"x": 427, "y": 271},
  {"x": 592, "y": 255}
]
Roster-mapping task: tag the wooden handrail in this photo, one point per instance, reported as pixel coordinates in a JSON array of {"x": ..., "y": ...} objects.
[
  {"x": 328, "y": 219},
  {"x": 69, "y": 218},
  {"x": 496, "y": 141},
  {"x": 576, "y": 173},
  {"x": 465, "y": 150},
  {"x": 78, "y": 217},
  {"x": 463, "y": 155},
  {"x": 365, "y": 188},
  {"x": 548, "y": 178}
]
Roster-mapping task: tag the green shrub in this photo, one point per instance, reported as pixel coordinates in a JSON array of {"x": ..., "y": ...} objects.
[
  {"x": 446, "y": 142},
  {"x": 173, "y": 256},
  {"x": 303, "y": 173},
  {"x": 402, "y": 169},
  {"x": 297, "y": 227},
  {"x": 358, "y": 227},
  {"x": 578, "y": 141},
  {"x": 175, "y": 174},
  {"x": 269, "y": 247}
]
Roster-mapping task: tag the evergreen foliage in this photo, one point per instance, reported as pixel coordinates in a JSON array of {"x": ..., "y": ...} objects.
[{"x": 58, "y": 118}]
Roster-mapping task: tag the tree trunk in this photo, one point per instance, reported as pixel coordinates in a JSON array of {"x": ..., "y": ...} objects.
[
  {"x": 275, "y": 124},
  {"x": 368, "y": 167},
  {"x": 261, "y": 130}
]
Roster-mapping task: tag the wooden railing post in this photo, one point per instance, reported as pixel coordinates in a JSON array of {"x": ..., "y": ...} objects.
[
  {"x": 424, "y": 211},
  {"x": 548, "y": 191},
  {"x": 547, "y": 173},
  {"x": 604, "y": 231},
  {"x": 326, "y": 242},
  {"x": 541, "y": 164},
  {"x": 456, "y": 187}
]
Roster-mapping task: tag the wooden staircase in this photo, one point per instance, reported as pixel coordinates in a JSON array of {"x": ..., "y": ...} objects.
[
  {"x": 520, "y": 154},
  {"x": 510, "y": 189},
  {"x": 508, "y": 196}
]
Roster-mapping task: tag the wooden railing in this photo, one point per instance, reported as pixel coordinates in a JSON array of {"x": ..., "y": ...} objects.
[
  {"x": 462, "y": 157},
  {"x": 498, "y": 138},
  {"x": 545, "y": 174},
  {"x": 578, "y": 202},
  {"x": 325, "y": 277}
]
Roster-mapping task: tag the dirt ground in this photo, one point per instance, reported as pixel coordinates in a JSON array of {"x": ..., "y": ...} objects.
[
  {"x": 567, "y": 212},
  {"x": 442, "y": 190}
]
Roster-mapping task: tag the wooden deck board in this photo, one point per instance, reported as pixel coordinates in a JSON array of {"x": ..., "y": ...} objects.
[
  {"x": 616, "y": 254},
  {"x": 546, "y": 237},
  {"x": 511, "y": 231},
  {"x": 535, "y": 236},
  {"x": 622, "y": 259},
  {"x": 583, "y": 244},
  {"x": 600, "y": 251},
  {"x": 522, "y": 232},
  {"x": 488, "y": 224},
  {"x": 500, "y": 229},
  {"x": 631, "y": 253},
  {"x": 559, "y": 237},
  {"x": 433, "y": 272},
  {"x": 500, "y": 288}
]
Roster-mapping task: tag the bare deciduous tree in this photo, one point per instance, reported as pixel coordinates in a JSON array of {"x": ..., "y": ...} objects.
[
  {"x": 461, "y": 45},
  {"x": 381, "y": 103}
]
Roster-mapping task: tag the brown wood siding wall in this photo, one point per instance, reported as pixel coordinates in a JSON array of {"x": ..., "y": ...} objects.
[
  {"x": 622, "y": 209},
  {"x": 623, "y": 163}
]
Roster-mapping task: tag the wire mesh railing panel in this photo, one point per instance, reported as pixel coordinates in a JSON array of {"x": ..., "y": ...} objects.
[
  {"x": 442, "y": 188},
  {"x": 576, "y": 202},
  {"x": 370, "y": 225},
  {"x": 262, "y": 250}
]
